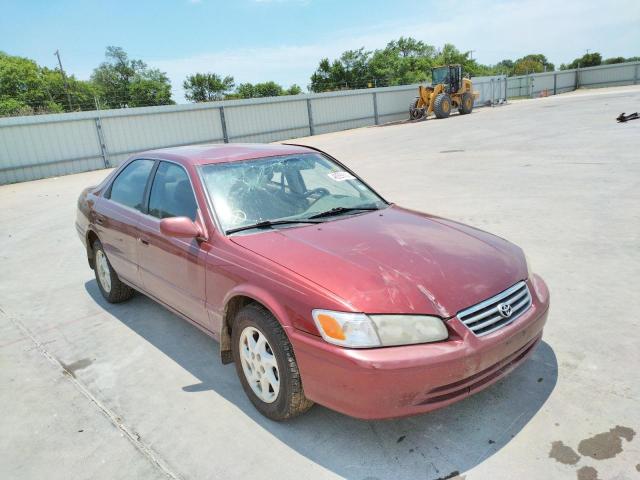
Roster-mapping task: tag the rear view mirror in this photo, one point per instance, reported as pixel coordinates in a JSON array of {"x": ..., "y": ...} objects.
[{"x": 180, "y": 227}]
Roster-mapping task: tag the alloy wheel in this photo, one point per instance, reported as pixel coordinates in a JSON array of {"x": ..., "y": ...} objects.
[
  {"x": 104, "y": 274},
  {"x": 259, "y": 364}
]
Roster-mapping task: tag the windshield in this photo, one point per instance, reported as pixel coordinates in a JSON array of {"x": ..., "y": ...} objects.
[
  {"x": 439, "y": 75},
  {"x": 289, "y": 187}
]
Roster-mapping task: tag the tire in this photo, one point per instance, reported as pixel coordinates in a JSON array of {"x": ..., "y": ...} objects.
[
  {"x": 415, "y": 113},
  {"x": 254, "y": 322},
  {"x": 466, "y": 105},
  {"x": 442, "y": 105},
  {"x": 111, "y": 288}
]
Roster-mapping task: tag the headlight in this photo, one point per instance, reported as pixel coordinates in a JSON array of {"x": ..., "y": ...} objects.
[
  {"x": 409, "y": 329},
  {"x": 358, "y": 330}
]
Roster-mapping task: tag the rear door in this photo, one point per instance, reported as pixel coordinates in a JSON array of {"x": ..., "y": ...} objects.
[
  {"x": 172, "y": 269},
  {"x": 117, "y": 218}
]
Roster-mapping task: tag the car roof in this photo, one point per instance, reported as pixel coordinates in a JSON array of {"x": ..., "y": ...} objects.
[{"x": 222, "y": 152}]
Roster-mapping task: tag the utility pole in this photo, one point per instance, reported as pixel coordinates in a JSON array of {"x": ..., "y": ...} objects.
[
  {"x": 64, "y": 78},
  {"x": 471, "y": 53}
]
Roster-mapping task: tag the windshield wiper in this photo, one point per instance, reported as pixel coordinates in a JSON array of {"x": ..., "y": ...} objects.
[
  {"x": 341, "y": 210},
  {"x": 270, "y": 223}
]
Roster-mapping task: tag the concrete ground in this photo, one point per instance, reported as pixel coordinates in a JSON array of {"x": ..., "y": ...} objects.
[{"x": 91, "y": 390}]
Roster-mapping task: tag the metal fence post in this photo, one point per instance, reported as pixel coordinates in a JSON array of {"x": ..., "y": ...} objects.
[
  {"x": 312, "y": 130},
  {"x": 555, "y": 83},
  {"x": 493, "y": 94},
  {"x": 103, "y": 146},
  {"x": 577, "y": 81},
  {"x": 223, "y": 122},
  {"x": 375, "y": 108},
  {"x": 635, "y": 76},
  {"x": 506, "y": 88}
]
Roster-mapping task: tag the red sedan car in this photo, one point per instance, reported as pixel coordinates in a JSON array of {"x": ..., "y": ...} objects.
[{"x": 315, "y": 286}]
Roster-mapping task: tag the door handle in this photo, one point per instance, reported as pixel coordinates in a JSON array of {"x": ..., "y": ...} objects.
[
  {"x": 99, "y": 219},
  {"x": 144, "y": 241}
]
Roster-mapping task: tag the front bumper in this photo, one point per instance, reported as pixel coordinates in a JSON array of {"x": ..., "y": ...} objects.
[{"x": 408, "y": 380}]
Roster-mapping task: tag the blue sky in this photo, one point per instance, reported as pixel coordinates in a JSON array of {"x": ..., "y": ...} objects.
[{"x": 283, "y": 40}]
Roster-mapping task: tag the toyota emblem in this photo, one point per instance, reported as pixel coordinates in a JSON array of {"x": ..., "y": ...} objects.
[{"x": 505, "y": 310}]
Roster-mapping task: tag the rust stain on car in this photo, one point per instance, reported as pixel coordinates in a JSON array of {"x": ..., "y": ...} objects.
[
  {"x": 563, "y": 453},
  {"x": 607, "y": 444}
]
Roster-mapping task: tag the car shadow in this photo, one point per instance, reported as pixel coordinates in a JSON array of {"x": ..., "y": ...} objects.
[{"x": 441, "y": 444}]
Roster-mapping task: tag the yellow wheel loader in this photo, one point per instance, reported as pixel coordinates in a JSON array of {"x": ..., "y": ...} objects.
[{"x": 448, "y": 90}]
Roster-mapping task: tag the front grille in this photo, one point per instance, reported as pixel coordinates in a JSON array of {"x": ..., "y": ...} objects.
[{"x": 486, "y": 317}]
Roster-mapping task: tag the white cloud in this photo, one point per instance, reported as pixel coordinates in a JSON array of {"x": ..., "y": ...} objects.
[{"x": 494, "y": 30}]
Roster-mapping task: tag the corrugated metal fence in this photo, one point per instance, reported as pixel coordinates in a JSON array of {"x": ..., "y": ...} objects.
[
  {"x": 552, "y": 83},
  {"x": 50, "y": 145}
]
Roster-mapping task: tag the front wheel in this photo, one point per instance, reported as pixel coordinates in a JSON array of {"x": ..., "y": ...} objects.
[
  {"x": 442, "y": 105},
  {"x": 466, "y": 103},
  {"x": 266, "y": 365}
]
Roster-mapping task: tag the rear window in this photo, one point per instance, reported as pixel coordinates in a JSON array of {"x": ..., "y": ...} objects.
[{"x": 128, "y": 187}]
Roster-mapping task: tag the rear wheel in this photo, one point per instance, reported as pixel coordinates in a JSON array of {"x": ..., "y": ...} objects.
[
  {"x": 466, "y": 103},
  {"x": 111, "y": 288},
  {"x": 442, "y": 105},
  {"x": 266, "y": 365},
  {"x": 415, "y": 113}
]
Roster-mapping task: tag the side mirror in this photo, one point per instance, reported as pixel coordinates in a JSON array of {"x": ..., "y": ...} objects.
[{"x": 180, "y": 227}]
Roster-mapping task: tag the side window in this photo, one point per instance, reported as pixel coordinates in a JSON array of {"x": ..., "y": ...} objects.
[
  {"x": 171, "y": 193},
  {"x": 128, "y": 187}
]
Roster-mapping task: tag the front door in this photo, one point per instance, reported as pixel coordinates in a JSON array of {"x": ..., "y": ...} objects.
[
  {"x": 117, "y": 216},
  {"x": 172, "y": 269}
]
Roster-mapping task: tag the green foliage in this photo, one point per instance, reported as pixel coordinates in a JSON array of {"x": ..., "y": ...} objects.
[
  {"x": 533, "y": 63},
  {"x": 122, "y": 82},
  {"x": 293, "y": 90},
  {"x": 587, "y": 60},
  {"x": 401, "y": 62},
  {"x": 267, "y": 89},
  {"x": 264, "y": 89},
  {"x": 207, "y": 87},
  {"x": 504, "y": 67},
  {"x": 26, "y": 89}
]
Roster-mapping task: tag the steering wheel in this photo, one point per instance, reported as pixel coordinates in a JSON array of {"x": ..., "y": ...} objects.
[{"x": 320, "y": 192}]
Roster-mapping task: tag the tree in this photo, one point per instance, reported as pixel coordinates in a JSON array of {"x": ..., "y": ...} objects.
[
  {"x": 268, "y": 89},
  {"x": 504, "y": 67},
  {"x": 351, "y": 70},
  {"x": 26, "y": 88},
  {"x": 246, "y": 90},
  {"x": 612, "y": 60},
  {"x": 402, "y": 61},
  {"x": 532, "y": 63},
  {"x": 207, "y": 87},
  {"x": 22, "y": 88},
  {"x": 82, "y": 92},
  {"x": 122, "y": 82},
  {"x": 587, "y": 60},
  {"x": 293, "y": 90},
  {"x": 264, "y": 89}
]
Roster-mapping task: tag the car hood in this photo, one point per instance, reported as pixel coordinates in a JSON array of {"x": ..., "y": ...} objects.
[{"x": 396, "y": 260}]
